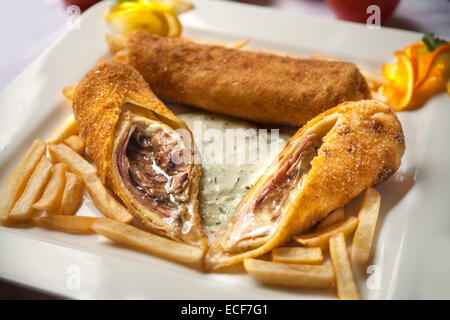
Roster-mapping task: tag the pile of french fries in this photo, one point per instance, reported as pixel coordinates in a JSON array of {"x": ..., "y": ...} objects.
[
  {"x": 47, "y": 191},
  {"x": 303, "y": 266}
]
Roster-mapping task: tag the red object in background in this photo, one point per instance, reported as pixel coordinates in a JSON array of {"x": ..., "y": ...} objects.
[
  {"x": 356, "y": 10},
  {"x": 83, "y": 4}
]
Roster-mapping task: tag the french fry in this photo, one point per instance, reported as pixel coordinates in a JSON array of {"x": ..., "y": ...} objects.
[
  {"x": 133, "y": 237},
  {"x": 74, "y": 162},
  {"x": 330, "y": 219},
  {"x": 71, "y": 224},
  {"x": 76, "y": 143},
  {"x": 281, "y": 54},
  {"x": 104, "y": 201},
  {"x": 377, "y": 95},
  {"x": 297, "y": 255},
  {"x": 374, "y": 80},
  {"x": 320, "y": 238},
  {"x": 115, "y": 42},
  {"x": 367, "y": 215},
  {"x": 322, "y": 57},
  {"x": 236, "y": 44},
  {"x": 294, "y": 275},
  {"x": 69, "y": 90},
  {"x": 346, "y": 287},
  {"x": 230, "y": 45},
  {"x": 13, "y": 188},
  {"x": 51, "y": 198},
  {"x": 72, "y": 195},
  {"x": 66, "y": 129},
  {"x": 23, "y": 208}
]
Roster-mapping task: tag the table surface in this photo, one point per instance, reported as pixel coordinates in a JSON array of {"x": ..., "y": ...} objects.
[{"x": 35, "y": 32}]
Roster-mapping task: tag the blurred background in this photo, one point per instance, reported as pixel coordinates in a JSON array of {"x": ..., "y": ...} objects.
[{"x": 27, "y": 27}]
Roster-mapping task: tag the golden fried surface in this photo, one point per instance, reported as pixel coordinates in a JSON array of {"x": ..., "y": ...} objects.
[
  {"x": 363, "y": 148},
  {"x": 255, "y": 86},
  {"x": 97, "y": 102},
  {"x": 99, "y": 99}
]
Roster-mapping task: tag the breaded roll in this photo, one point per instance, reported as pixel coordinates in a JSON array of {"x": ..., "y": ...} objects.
[
  {"x": 141, "y": 149},
  {"x": 249, "y": 85}
]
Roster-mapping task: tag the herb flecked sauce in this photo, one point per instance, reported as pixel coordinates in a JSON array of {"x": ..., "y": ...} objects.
[{"x": 226, "y": 180}]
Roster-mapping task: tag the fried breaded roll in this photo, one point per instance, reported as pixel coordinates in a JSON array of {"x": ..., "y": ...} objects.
[
  {"x": 327, "y": 163},
  {"x": 142, "y": 150},
  {"x": 249, "y": 85}
]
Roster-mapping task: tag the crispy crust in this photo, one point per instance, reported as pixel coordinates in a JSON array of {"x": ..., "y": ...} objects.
[
  {"x": 363, "y": 148},
  {"x": 98, "y": 102},
  {"x": 250, "y": 85}
]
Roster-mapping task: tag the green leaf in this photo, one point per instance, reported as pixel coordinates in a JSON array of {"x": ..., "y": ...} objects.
[{"x": 432, "y": 42}]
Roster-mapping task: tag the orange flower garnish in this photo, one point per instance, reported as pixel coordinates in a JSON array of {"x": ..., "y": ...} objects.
[
  {"x": 417, "y": 75},
  {"x": 400, "y": 85}
]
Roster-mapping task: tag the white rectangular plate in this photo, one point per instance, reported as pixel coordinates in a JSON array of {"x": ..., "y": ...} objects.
[{"x": 411, "y": 257}]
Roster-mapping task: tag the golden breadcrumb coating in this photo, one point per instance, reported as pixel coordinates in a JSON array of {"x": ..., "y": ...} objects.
[{"x": 250, "y": 85}]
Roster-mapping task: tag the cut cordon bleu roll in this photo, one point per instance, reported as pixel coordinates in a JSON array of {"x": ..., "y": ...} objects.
[
  {"x": 141, "y": 149},
  {"x": 327, "y": 163}
]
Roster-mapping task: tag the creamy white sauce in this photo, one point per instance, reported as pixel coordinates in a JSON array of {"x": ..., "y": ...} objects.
[{"x": 228, "y": 175}]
